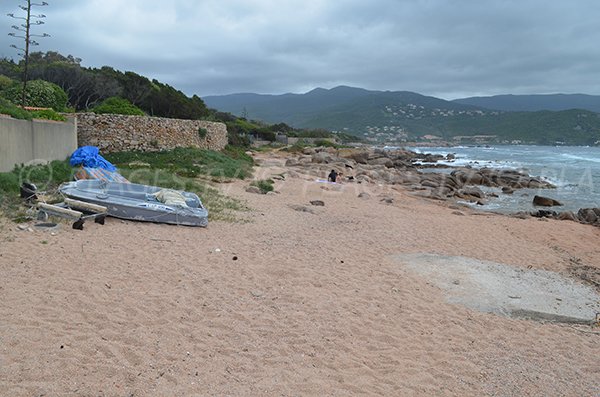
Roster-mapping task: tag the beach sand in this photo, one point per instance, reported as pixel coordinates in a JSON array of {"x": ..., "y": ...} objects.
[{"x": 301, "y": 300}]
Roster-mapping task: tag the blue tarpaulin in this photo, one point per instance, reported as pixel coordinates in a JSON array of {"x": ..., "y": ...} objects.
[{"x": 89, "y": 156}]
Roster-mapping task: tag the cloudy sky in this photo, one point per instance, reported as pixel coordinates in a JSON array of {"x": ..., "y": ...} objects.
[{"x": 445, "y": 48}]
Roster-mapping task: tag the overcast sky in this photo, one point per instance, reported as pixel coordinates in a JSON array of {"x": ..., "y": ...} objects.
[{"x": 444, "y": 48}]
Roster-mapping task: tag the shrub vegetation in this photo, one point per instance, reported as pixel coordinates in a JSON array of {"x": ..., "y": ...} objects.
[
  {"x": 39, "y": 93},
  {"x": 265, "y": 185},
  {"x": 191, "y": 162},
  {"x": 9, "y": 108},
  {"x": 117, "y": 105}
]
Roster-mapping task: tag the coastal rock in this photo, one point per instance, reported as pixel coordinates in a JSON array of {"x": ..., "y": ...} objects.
[
  {"x": 472, "y": 191},
  {"x": 322, "y": 157},
  {"x": 430, "y": 183},
  {"x": 292, "y": 162},
  {"x": 544, "y": 214},
  {"x": 253, "y": 189},
  {"x": 360, "y": 157},
  {"x": 536, "y": 184},
  {"x": 508, "y": 190},
  {"x": 318, "y": 203},
  {"x": 364, "y": 196},
  {"x": 452, "y": 182},
  {"x": 588, "y": 215},
  {"x": 386, "y": 162},
  {"x": 363, "y": 179},
  {"x": 403, "y": 164},
  {"x": 545, "y": 201},
  {"x": 428, "y": 193},
  {"x": 521, "y": 215},
  {"x": 567, "y": 216},
  {"x": 407, "y": 178},
  {"x": 468, "y": 176},
  {"x": 498, "y": 178},
  {"x": 431, "y": 158}
]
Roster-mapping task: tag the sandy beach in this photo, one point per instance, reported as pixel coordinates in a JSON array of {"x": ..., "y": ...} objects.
[{"x": 297, "y": 300}]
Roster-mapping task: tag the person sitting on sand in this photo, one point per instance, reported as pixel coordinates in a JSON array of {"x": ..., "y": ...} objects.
[
  {"x": 332, "y": 176},
  {"x": 340, "y": 177}
]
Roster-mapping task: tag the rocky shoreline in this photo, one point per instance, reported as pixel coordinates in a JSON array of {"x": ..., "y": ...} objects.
[{"x": 405, "y": 168}]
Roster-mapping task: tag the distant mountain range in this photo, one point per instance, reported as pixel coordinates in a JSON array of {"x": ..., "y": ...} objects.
[
  {"x": 400, "y": 116},
  {"x": 533, "y": 103}
]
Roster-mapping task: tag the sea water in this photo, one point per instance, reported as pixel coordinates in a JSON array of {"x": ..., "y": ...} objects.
[{"x": 574, "y": 170}]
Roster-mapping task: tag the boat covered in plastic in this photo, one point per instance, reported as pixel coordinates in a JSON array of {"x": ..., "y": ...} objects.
[{"x": 140, "y": 202}]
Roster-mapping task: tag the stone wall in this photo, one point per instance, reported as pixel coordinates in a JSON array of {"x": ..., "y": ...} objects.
[{"x": 115, "y": 133}]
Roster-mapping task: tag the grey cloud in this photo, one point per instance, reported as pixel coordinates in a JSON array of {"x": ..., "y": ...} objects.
[{"x": 435, "y": 47}]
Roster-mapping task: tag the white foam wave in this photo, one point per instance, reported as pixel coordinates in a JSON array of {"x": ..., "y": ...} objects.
[{"x": 582, "y": 158}]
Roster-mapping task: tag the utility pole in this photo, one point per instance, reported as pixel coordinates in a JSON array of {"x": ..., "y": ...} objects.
[{"x": 24, "y": 28}]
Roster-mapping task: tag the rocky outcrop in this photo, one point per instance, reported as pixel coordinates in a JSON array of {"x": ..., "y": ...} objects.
[
  {"x": 114, "y": 133},
  {"x": 589, "y": 215},
  {"x": 400, "y": 167},
  {"x": 542, "y": 201},
  {"x": 499, "y": 178},
  {"x": 567, "y": 216},
  {"x": 544, "y": 214}
]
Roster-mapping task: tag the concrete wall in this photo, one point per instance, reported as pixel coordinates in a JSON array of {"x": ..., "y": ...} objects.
[
  {"x": 27, "y": 142},
  {"x": 116, "y": 133}
]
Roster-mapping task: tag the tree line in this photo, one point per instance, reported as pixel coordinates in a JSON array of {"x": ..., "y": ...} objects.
[
  {"x": 88, "y": 87},
  {"x": 106, "y": 90}
]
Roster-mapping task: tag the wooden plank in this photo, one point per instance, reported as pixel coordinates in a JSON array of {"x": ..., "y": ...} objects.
[
  {"x": 59, "y": 211},
  {"x": 82, "y": 205}
]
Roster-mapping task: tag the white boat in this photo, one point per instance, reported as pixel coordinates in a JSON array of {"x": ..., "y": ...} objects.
[{"x": 140, "y": 202}]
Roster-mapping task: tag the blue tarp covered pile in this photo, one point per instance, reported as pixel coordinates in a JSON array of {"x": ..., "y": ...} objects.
[
  {"x": 89, "y": 156},
  {"x": 94, "y": 166}
]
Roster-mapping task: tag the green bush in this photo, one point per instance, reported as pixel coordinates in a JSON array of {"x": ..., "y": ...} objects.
[
  {"x": 202, "y": 132},
  {"x": 265, "y": 185},
  {"x": 48, "y": 114},
  {"x": 39, "y": 93},
  {"x": 45, "y": 177},
  {"x": 237, "y": 139},
  {"x": 324, "y": 143},
  {"x": 5, "y": 83},
  {"x": 117, "y": 105},
  {"x": 9, "y": 182},
  {"x": 238, "y": 153},
  {"x": 266, "y": 135},
  {"x": 9, "y": 108}
]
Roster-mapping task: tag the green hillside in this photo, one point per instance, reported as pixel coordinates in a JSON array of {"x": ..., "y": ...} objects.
[{"x": 386, "y": 116}]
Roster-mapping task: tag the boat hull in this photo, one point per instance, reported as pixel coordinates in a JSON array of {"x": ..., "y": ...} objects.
[{"x": 137, "y": 202}]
